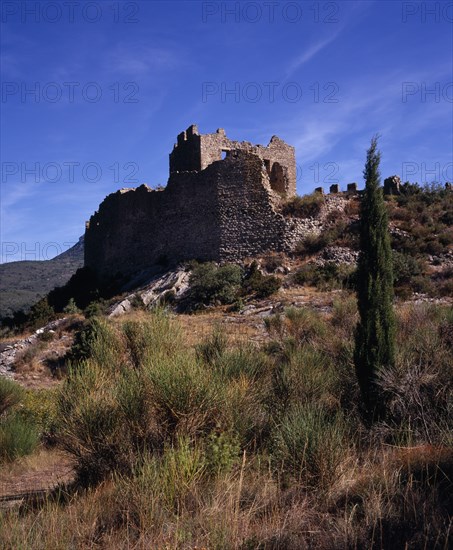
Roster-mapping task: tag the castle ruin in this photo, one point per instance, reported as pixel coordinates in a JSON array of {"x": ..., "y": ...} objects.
[
  {"x": 195, "y": 152},
  {"x": 221, "y": 203}
]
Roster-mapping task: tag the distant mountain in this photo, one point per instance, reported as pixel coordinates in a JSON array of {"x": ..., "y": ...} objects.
[{"x": 23, "y": 283}]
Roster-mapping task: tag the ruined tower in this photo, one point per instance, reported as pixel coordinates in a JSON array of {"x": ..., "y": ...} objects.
[
  {"x": 221, "y": 203},
  {"x": 195, "y": 152}
]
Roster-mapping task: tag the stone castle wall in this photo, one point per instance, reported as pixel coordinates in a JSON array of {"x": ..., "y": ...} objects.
[
  {"x": 222, "y": 203},
  {"x": 194, "y": 151},
  {"x": 137, "y": 228},
  {"x": 211, "y": 209}
]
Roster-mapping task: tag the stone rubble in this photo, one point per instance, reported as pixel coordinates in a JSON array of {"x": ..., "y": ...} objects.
[
  {"x": 174, "y": 283},
  {"x": 338, "y": 255},
  {"x": 9, "y": 352}
]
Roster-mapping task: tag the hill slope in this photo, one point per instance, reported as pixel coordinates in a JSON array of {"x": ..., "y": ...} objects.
[{"x": 23, "y": 283}]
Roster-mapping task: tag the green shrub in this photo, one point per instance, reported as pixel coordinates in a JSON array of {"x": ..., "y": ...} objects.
[
  {"x": 328, "y": 276},
  {"x": 308, "y": 206},
  {"x": 272, "y": 261},
  {"x": 18, "y": 434},
  {"x": 245, "y": 414},
  {"x": 83, "y": 340},
  {"x": 137, "y": 302},
  {"x": 156, "y": 336},
  {"x": 222, "y": 451},
  {"x": 211, "y": 349},
  {"x": 209, "y": 284},
  {"x": 313, "y": 243},
  {"x": 137, "y": 392},
  {"x": 339, "y": 233},
  {"x": 40, "y": 314},
  {"x": 169, "y": 479},
  {"x": 46, "y": 336},
  {"x": 39, "y": 407},
  {"x": 309, "y": 445},
  {"x": 243, "y": 360},
  {"x": 18, "y": 437},
  {"x": 446, "y": 288},
  {"x": 311, "y": 376},
  {"x": 408, "y": 275},
  {"x": 446, "y": 238},
  {"x": 306, "y": 275},
  {"x": 425, "y": 213},
  {"x": 405, "y": 268},
  {"x": 181, "y": 468},
  {"x": 71, "y": 307},
  {"x": 262, "y": 286},
  {"x": 90, "y": 424},
  {"x": 186, "y": 397},
  {"x": 298, "y": 326},
  {"x": 97, "y": 339},
  {"x": 422, "y": 284},
  {"x": 344, "y": 313},
  {"x": 432, "y": 246},
  {"x": 95, "y": 308},
  {"x": 10, "y": 394},
  {"x": 447, "y": 217},
  {"x": 305, "y": 325}
]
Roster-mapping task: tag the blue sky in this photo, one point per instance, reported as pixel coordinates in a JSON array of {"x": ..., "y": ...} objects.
[{"x": 115, "y": 82}]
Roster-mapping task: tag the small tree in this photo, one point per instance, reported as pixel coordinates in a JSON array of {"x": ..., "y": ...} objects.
[
  {"x": 40, "y": 314},
  {"x": 375, "y": 332},
  {"x": 71, "y": 307}
]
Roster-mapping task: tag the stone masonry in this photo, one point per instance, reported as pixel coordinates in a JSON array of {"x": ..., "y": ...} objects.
[
  {"x": 222, "y": 202},
  {"x": 194, "y": 151},
  {"x": 213, "y": 208}
]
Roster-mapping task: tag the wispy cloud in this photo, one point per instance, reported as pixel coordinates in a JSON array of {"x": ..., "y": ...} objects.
[
  {"x": 141, "y": 60},
  {"x": 310, "y": 53},
  {"x": 364, "y": 103}
]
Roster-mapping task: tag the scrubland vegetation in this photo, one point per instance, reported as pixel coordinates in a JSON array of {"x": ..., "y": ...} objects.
[
  {"x": 223, "y": 445},
  {"x": 186, "y": 441},
  {"x": 421, "y": 228}
]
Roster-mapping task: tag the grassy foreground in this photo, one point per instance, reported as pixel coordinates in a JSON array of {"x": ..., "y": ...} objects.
[{"x": 227, "y": 445}]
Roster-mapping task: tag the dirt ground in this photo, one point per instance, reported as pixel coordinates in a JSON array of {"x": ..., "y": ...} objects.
[{"x": 42, "y": 471}]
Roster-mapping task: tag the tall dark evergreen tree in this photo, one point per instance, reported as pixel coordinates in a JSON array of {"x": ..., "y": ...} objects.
[{"x": 375, "y": 332}]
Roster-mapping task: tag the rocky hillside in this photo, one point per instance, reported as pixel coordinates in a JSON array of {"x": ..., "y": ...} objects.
[
  {"x": 23, "y": 283},
  {"x": 325, "y": 256}
]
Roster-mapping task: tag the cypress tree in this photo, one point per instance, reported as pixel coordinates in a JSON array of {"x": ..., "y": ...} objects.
[{"x": 375, "y": 331}]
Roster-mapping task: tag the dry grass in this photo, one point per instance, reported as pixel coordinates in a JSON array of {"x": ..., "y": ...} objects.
[
  {"x": 373, "y": 505},
  {"x": 264, "y": 448},
  {"x": 45, "y": 469}
]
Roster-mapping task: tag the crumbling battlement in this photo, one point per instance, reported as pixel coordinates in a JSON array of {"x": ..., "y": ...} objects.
[
  {"x": 195, "y": 152},
  {"x": 211, "y": 209}
]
